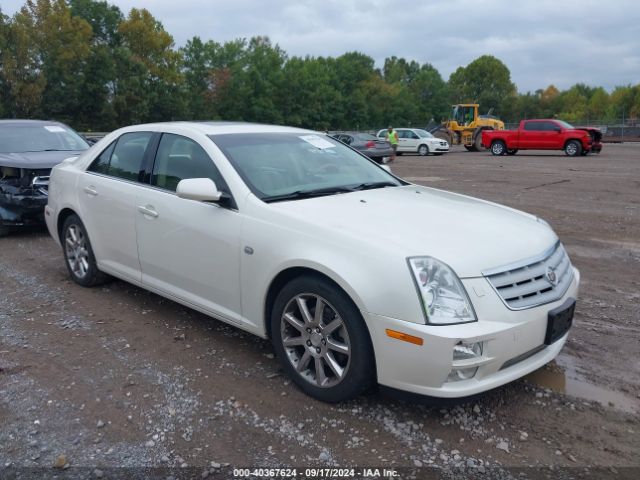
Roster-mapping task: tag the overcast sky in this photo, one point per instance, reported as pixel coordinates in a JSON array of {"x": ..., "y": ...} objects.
[{"x": 542, "y": 42}]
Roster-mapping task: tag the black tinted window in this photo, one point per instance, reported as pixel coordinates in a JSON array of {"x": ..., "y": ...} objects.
[
  {"x": 126, "y": 160},
  {"x": 179, "y": 158},
  {"x": 534, "y": 126},
  {"x": 101, "y": 164}
]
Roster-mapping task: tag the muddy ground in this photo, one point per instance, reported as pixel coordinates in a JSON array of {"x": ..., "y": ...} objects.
[{"x": 93, "y": 379}]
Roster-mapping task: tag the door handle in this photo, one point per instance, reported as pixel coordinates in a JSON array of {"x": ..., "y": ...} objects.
[
  {"x": 91, "y": 190},
  {"x": 148, "y": 210}
]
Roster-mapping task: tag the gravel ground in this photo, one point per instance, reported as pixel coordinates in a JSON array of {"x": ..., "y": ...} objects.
[{"x": 96, "y": 380}]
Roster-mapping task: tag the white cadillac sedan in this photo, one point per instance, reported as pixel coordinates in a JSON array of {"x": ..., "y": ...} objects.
[{"x": 354, "y": 275}]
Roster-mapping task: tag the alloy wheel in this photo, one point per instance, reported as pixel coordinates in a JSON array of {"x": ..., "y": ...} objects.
[
  {"x": 76, "y": 250},
  {"x": 315, "y": 340}
]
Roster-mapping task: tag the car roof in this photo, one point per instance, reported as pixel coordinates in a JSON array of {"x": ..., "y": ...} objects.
[{"x": 219, "y": 127}]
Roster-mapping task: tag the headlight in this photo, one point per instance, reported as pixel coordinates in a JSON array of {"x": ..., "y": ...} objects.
[{"x": 444, "y": 299}]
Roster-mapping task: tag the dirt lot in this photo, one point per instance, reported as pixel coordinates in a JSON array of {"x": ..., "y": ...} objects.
[{"x": 118, "y": 377}]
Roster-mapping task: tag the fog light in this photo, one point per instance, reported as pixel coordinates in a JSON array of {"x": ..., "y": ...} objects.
[
  {"x": 462, "y": 374},
  {"x": 463, "y": 365}
]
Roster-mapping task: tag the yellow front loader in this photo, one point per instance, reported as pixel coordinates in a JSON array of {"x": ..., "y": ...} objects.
[{"x": 465, "y": 126}]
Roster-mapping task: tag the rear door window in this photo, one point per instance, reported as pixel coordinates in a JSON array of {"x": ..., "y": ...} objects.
[
  {"x": 534, "y": 126},
  {"x": 123, "y": 158}
]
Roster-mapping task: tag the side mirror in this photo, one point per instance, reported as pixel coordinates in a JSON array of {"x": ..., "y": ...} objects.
[{"x": 199, "y": 189}]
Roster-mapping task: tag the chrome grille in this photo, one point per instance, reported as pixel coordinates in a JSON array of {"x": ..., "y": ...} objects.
[{"x": 532, "y": 283}]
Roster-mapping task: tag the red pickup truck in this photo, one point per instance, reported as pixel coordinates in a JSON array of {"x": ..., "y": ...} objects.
[{"x": 543, "y": 135}]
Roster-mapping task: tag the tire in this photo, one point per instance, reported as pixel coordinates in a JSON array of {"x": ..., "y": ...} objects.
[
  {"x": 423, "y": 150},
  {"x": 573, "y": 148},
  {"x": 498, "y": 148},
  {"x": 4, "y": 231},
  {"x": 336, "y": 343},
  {"x": 469, "y": 148},
  {"x": 512, "y": 151},
  {"x": 78, "y": 254},
  {"x": 443, "y": 134},
  {"x": 477, "y": 142}
]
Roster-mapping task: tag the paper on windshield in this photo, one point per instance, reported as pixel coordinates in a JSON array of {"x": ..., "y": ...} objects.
[
  {"x": 55, "y": 128},
  {"x": 317, "y": 141}
]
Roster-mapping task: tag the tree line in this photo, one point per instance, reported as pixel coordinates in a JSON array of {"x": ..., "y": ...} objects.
[{"x": 85, "y": 63}]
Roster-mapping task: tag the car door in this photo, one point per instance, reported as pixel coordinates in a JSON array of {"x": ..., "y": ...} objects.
[
  {"x": 404, "y": 143},
  {"x": 188, "y": 249},
  {"x": 554, "y": 138},
  {"x": 412, "y": 141},
  {"x": 108, "y": 190},
  {"x": 537, "y": 135}
]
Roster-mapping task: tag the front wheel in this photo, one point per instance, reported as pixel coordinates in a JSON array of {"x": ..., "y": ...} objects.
[
  {"x": 321, "y": 340},
  {"x": 78, "y": 254},
  {"x": 573, "y": 148},
  {"x": 498, "y": 147},
  {"x": 423, "y": 150}
]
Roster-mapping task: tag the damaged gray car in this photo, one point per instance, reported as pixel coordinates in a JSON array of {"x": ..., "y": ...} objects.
[{"x": 29, "y": 149}]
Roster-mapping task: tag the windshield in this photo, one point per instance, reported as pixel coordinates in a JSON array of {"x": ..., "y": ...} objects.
[
  {"x": 283, "y": 166},
  {"x": 564, "y": 124},
  {"x": 423, "y": 134},
  {"x": 39, "y": 138}
]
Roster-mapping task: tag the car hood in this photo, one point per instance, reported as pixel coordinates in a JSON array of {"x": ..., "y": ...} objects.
[
  {"x": 35, "y": 159},
  {"x": 468, "y": 234}
]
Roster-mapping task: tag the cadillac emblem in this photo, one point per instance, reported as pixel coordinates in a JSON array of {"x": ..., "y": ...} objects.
[{"x": 551, "y": 276}]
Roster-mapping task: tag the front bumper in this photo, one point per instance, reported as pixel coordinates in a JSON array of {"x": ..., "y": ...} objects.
[
  {"x": 21, "y": 206},
  {"x": 440, "y": 148},
  {"x": 596, "y": 147},
  {"x": 513, "y": 345}
]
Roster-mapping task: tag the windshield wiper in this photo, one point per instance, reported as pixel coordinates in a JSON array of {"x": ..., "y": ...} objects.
[
  {"x": 372, "y": 185},
  {"x": 300, "y": 194}
]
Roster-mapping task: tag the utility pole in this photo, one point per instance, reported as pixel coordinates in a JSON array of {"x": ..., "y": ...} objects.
[{"x": 622, "y": 129}]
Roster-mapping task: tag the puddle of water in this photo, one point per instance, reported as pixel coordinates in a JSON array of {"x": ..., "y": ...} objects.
[{"x": 563, "y": 378}]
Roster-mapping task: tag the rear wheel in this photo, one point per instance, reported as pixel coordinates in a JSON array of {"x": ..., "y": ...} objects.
[
  {"x": 321, "y": 340},
  {"x": 498, "y": 147},
  {"x": 512, "y": 151},
  {"x": 573, "y": 148},
  {"x": 423, "y": 150},
  {"x": 469, "y": 148},
  {"x": 78, "y": 254},
  {"x": 4, "y": 231}
]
